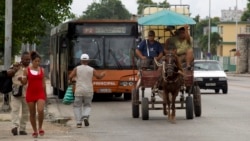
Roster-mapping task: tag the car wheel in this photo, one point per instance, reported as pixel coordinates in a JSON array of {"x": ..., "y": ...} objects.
[{"x": 224, "y": 90}]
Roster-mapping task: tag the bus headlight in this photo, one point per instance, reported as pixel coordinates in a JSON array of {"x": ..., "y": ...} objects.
[{"x": 126, "y": 83}]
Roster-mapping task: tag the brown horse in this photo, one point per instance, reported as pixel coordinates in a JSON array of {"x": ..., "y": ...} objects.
[{"x": 171, "y": 81}]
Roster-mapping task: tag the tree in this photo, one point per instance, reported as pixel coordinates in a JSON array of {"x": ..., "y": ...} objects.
[
  {"x": 215, "y": 40},
  {"x": 246, "y": 14},
  {"x": 144, "y": 3},
  {"x": 106, "y": 9},
  {"x": 30, "y": 19},
  {"x": 200, "y": 24}
]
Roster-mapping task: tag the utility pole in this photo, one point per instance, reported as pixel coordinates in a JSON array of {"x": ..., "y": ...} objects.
[
  {"x": 7, "y": 48},
  {"x": 209, "y": 29},
  {"x": 8, "y": 34},
  {"x": 236, "y": 25}
]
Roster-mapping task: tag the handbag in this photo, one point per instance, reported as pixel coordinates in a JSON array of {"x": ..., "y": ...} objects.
[
  {"x": 5, "y": 82},
  {"x": 17, "y": 91}
]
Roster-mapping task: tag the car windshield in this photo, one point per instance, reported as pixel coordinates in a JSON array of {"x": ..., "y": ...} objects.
[{"x": 207, "y": 66}]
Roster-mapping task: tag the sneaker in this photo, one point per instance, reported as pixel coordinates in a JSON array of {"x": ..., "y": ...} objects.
[
  {"x": 79, "y": 125},
  {"x": 23, "y": 133},
  {"x": 86, "y": 122},
  {"x": 14, "y": 131}
]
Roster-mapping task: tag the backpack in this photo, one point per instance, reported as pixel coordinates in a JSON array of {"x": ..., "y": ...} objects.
[{"x": 5, "y": 82}]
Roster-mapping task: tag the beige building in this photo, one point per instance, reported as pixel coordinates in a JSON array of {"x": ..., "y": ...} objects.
[{"x": 228, "y": 32}]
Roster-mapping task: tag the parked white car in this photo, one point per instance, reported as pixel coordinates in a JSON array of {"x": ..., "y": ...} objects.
[{"x": 210, "y": 75}]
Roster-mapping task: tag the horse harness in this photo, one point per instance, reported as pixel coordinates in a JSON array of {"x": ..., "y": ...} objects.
[{"x": 171, "y": 68}]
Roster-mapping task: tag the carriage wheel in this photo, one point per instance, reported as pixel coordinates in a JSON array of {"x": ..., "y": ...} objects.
[
  {"x": 197, "y": 101},
  {"x": 189, "y": 107},
  {"x": 144, "y": 108},
  {"x": 135, "y": 103}
]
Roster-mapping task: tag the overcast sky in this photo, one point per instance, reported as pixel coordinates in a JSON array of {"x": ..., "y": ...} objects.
[{"x": 200, "y": 7}]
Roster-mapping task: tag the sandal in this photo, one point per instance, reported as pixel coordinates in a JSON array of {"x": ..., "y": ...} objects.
[
  {"x": 41, "y": 132},
  {"x": 34, "y": 135}
]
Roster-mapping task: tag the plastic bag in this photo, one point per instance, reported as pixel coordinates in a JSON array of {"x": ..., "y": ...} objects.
[{"x": 69, "y": 96}]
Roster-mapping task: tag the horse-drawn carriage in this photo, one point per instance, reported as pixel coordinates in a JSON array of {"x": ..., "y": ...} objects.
[
  {"x": 189, "y": 98},
  {"x": 163, "y": 81}
]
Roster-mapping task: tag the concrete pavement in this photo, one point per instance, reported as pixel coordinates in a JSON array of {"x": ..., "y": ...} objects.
[
  {"x": 55, "y": 125},
  {"x": 238, "y": 74}
]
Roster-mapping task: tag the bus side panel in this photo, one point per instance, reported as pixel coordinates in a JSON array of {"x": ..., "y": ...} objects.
[{"x": 115, "y": 81}]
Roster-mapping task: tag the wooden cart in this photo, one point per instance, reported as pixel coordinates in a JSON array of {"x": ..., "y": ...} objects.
[{"x": 148, "y": 78}]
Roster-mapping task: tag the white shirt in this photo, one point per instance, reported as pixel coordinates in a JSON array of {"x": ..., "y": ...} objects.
[{"x": 84, "y": 85}]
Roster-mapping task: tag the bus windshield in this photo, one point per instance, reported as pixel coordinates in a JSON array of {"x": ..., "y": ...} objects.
[{"x": 110, "y": 52}]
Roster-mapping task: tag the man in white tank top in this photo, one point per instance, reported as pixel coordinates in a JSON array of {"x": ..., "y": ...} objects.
[{"x": 83, "y": 75}]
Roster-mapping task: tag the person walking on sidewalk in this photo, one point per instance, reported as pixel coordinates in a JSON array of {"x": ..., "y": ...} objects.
[
  {"x": 36, "y": 93},
  {"x": 18, "y": 102},
  {"x": 83, "y": 75}
]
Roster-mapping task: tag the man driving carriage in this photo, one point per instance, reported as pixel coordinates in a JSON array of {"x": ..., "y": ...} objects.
[
  {"x": 148, "y": 50},
  {"x": 181, "y": 45}
]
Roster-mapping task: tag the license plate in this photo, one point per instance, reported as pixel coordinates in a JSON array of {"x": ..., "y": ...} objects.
[
  {"x": 210, "y": 84},
  {"x": 104, "y": 91}
]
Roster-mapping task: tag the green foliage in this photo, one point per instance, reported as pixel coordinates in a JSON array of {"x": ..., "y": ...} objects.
[
  {"x": 43, "y": 48},
  {"x": 215, "y": 40},
  {"x": 246, "y": 14},
  {"x": 142, "y": 4},
  {"x": 106, "y": 9},
  {"x": 200, "y": 24},
  {"x": 30, "y": 19}
]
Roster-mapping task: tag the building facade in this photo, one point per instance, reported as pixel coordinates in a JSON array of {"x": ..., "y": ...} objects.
[
  {"x": 228, "y": 32},
  {"x": 231, "y": 15}
]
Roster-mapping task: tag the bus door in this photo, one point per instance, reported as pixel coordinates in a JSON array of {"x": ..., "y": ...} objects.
[{"x": 62, "y": 64}]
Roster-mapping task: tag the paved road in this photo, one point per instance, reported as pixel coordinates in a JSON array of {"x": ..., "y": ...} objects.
[{"x": 225, "y": 117}]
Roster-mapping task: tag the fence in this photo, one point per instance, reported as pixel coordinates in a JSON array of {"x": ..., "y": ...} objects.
[{"x": 228, "y": 63}]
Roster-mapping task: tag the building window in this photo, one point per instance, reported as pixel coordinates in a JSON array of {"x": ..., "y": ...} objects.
[
  {"x": 220, "y": 29},
  {"x": 247, "y": 29}
]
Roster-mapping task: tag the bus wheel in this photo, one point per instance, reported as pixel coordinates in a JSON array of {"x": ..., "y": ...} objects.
[
  {"x": 127, "y": 96},
  {"x": 118, "y": 94},
  {"x": 61, "y": 94}
]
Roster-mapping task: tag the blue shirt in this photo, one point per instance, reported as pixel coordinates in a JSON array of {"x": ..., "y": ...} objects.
[{"x": 154, "y": 49}]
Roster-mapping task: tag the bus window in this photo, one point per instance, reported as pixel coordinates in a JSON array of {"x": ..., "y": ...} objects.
[
  {"x": 91, "y": 46},
  {"x": 118, "y": 52}
]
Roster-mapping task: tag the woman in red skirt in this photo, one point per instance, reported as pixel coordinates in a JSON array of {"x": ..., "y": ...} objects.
[{"x": 36, "y": 93}]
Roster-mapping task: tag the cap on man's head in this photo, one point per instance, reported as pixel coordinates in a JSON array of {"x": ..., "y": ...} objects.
[
  {"x": 151, "y": 33},
  {"x": 84, "y": 57}
]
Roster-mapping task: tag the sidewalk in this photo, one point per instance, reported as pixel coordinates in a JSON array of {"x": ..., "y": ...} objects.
[
  {"x": 238, "y": 74},
  {"x": 54, "y": 124}
]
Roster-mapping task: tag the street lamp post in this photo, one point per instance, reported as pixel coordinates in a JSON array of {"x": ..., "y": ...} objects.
[
  {"x": 236, "y": 37},
  {"x": 209, "y": 28},
  {"x": 8, "y": 34},
  {"x": 236, "y": 25}
]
